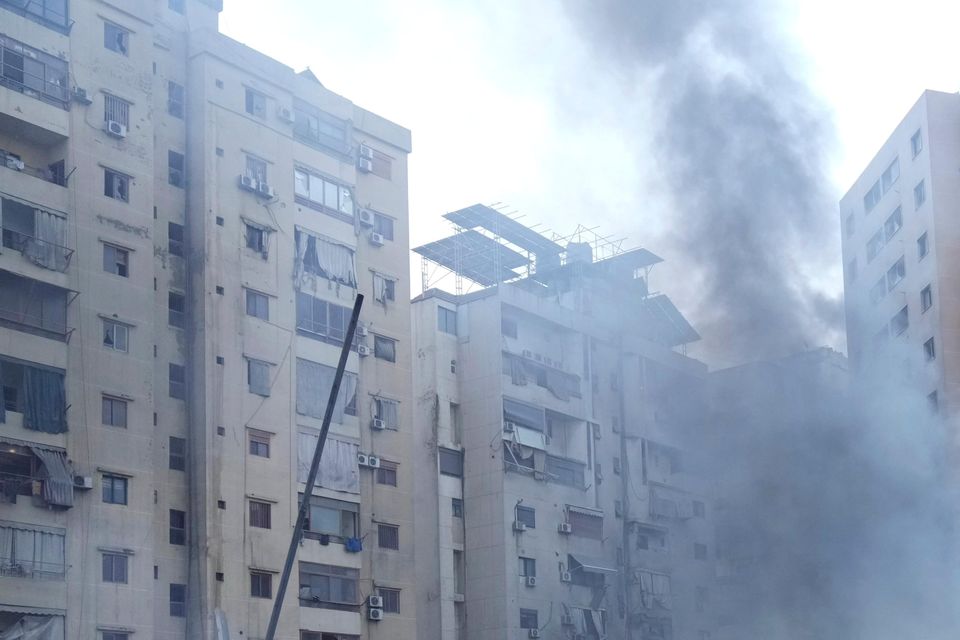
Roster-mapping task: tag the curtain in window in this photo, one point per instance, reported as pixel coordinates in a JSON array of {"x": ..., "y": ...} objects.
[
  {"x": 597, "y": 618},
  {"x": 259, "y": 373},
  {"x": 388, "y": 411},
  {"x": 379, "y": 288},
  {"x": 320, "y": 257},
  {"x": 57, "y": 477},
  {"x": 338, "y": 465},
  {"x": 523, "y": 414},
  {"x": 558, "y": 383},
  {"x": 517, "y": 373},
  {"x": 44, "y": 401},
  {"x": 50, "y": 237},
  {"x": 314, "y": 381},
  {"x": 35, "y": 628}
]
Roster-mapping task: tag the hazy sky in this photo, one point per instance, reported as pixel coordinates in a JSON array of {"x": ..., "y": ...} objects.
[{"x": 481, "y": 84}]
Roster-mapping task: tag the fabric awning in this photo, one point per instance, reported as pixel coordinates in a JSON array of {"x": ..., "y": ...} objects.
[
  {"x": 587, "y": 511},
  {"x": 31, "y": 445},
  {"x": 33, "y": 611},
  {"x": 591, "y": 565},
  {"x": 58, "y": 478},
  {"x": 527, "y": 437}
]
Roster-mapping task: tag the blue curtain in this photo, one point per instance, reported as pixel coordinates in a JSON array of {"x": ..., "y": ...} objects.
[{"x": 44, "y": 401}]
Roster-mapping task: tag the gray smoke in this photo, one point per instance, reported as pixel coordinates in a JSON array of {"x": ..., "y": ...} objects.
[{"x": 742, "y": 143}]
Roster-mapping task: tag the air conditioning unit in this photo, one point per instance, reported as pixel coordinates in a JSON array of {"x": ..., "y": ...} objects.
[
  {"x": 518, "y": 526},
  {"x": 265, "y": 191},
  {"x": 363, "y": 459},
  {"x": 376, "y": 239},
  {"x": 375, "y": 602},
  {"x": 534, "y": 633},
  {"x": 378, "y": 424},
  {"x": 366, "y": 217},
  {"x": 564, "y": 527},
  {"x": 565, "y": 576},
  {"x": 247, "y": 182},
  {"x": 531, "y": 581},
  {"x": 527, "y": 353},
  {"x": 566, "y": 620},
  {"x": 366, "y": 152},
  {"x": 14, "y": 163},
  {"x": 80, "y": 95},
  {"x": 362, "y": 331},
  {"x": 365, "y": 165},
  {"x": 373, "y": 461},
  {"x": 83, "y": 482},
  {"x": 285, "y": 114},
  {"x": 115, "y": 129},
  {"x": 509, "y": 427},
  {"x": 374, "y": 614},
  {"x": 363, "y": 350}
]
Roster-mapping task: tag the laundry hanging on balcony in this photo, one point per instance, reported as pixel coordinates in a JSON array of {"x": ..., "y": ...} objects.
[
  {"x": 47, "y": 248},
  {"x": 323, "y": 258}
]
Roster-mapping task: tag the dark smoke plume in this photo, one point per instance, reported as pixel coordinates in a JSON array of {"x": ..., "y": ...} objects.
[{"x": 742, "y": 142}]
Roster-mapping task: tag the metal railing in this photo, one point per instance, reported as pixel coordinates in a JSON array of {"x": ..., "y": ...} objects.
[
  {"x": 45, "y": 78},
  {"x": 32, "y": 321},
  {"x": 40, "y": 252}
]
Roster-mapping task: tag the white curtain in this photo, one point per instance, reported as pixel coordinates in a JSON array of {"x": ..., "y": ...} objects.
[
  {"x": 388, "y": 411},
  {"x": 338, "y": 465},
  {"x": 660, "y": 585},
  {"x": 314, "y": 381},
  {"x": 35, "y": 628},
  {"x": 597, "y": 618},
  {"x": 329, "y": 260},
  {"x": 50, "y": 238},
  {"x": 379, "y": 288}
]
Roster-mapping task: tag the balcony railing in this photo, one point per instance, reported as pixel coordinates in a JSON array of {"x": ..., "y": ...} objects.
[
  {"x": 33, "y": 322},
  {"x": 40, "y": 252},
  {"x": 44, "y": 77},
  {"x": 53, "y": 173}
]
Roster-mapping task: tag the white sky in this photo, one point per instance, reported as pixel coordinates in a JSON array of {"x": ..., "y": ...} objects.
[{"x": 479, "y": 85}]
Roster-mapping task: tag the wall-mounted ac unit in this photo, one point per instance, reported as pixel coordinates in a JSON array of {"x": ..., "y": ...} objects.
[
  {"x": 531, "y": 581},
  {"x": 375, "y": 602},
  {"x": 376, "y": 239},
  {"x": 375, "y": 614},
  {"x": 565, "y": 576},
  {"x": 564, "y": 527},
  {"x": 365, "y": 216},
  {"x": 366, "y": 152},
  {"x": 363, "y": 350},
  {"x": 378, "y": 424},
  {"x": 519, "y": 527},
  {"x": 115, "y": 129},
  {"x": 362, "y": 331},
  {"x": 365, "y": 165},
  {"x": 247, "y": 182},
  {"x": 534, "y": 633},
  {"x": 509, "y": 427},
  {"x": 373, "y": 461},
  {"x": 285, "y": 114},
  {"x": 264, "y": 190},
  {"x": 80, "y": 95},
  {"x": 83, "y": 482},
  {"x": 363, "y": 459}
]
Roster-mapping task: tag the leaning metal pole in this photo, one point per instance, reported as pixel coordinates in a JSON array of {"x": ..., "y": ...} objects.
[{"x": 314, "y": 468}]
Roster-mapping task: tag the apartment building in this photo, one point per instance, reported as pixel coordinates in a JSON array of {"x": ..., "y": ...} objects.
[
  {"x": 186, "y": 225},
  {"x": 552, "y": 497},
  {"x": 900, "y": 239}
]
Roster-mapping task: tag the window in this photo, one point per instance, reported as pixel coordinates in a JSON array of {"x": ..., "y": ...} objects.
[
  {"x": 116, "y": 261},
  {"x": 259, "y": 514},
  {"x": 890, "y": 175},
  {"x": 456, "y": 507},
  {"x": 528, "y": 567},
  {"x": 31, "y": 71},
  {"x": 177, "y": 378},
  {"x": 650, "y": 539},
  {"x": 258, "y": 377},
  {"x": 699, "y": 551},
  {"x": 114, "y": 412},
  {"x": 323, "y": 194},
  {"x": 385, "y": 348},
  {"x": 261, "y": 584},
  {"x": 256, "y": 103},
  {"x": 878, "y": 290},
  {"x": 114, "y": 635},
  {"x": 929, "y": 350},
  {"x": 850, "y": 225},
  {"x": 324, "y": 583},
  {"x": 916, "y": 143},
  {"x": 176, "y": 6},
  {"x": 896, "y": 273},
  {"x": 256, "y": 238},
  {"x": 178, "y": 600},
  {"x": 926, "y": 298},
  {"x": 900, "y": 322},
  {"x": 321, "y": 319},
  {"x": 564, "y": 471},
  {"x": 114, "y": 489},
  {"x": 387, "y": 473},
  {"x": 919, "y": 194},
  {"x": 177, "y": 459},
  {"x": 852, "y": 270},
  {"x": 116, "y": 185},
  {"x": 459, "y": 572},
  {"x": 116, "y": 110},
  {"x": 923, "y": 248},
  {"x": 175, "y": 99},
  {"x": 872, "y": 198},
  {"x": 528, "y": 619},
  {"x": 699, "y": 509},
  {"x": 114, "y": 567},
  {"x": 313, "y": 391},
  {"x": 175, "y": 169},
  {"x": 338, "y": 263},
  {"x": 259, "y": 444},
  {"x": 451, "y": 462},
  {"x": 388, "y": 411},
  {"x": 116, "y": 38},
  {"x": 31, "y": 553},
  {"x": 585, "y": 522},
  {"x": 391, "y": 599},
  {"x": 893, "y": 224},
  {"x": 178, "y": 527},
  {"x": 874, "y": 244},
  {"x": 527, "y": 516},
  {"x": 176, "y": 309},
  {"x": 933, "y": 402},
  {"x": 384, "y": 288},
  {"x": 258, "y": 305},
  {"x": 115, "y": 335},
  {"x": 388, "y": 536},
  {"x": 508, "y": 327},
  {"x": 383, "y": 225},
  {"x": 447, "y": 320},
  {"x": 456, "y": 426},
  {"x": 316, "y": 128},
  {"x": 331, "y": 517},
  {"x": 175, "y": 239},
  {"x": 256, "y": 168}
]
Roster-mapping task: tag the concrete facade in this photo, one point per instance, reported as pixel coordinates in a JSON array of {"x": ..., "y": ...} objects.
[
  {"x": 180, "y": 319},
  {"x": 904, "y": 208},
  {"x": 573, "y": 515}
]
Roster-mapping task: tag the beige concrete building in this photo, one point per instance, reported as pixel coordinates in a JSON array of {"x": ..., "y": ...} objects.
[
  {"x": 186, "y": 223},
  {"x": 901, "y": 251},
  {"x": 551, "y": 492}
]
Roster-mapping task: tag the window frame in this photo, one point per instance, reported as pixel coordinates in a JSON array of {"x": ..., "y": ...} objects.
[
  {"x": 348, "y": 518},
  {"x": 527, "y": 515},
  {"x": 456, "y": 507},
  {"x": 122, "y": 268},
  {"x": 176, "y": 460},
  {"x": 176, "y": 99},
  {"x": 346, "y": 208},
  {"x": 176, "y": 317},
  {"x": 381, "y": 343},
  {"x": 178, "y": 606},
  {"x": 260, "y": 439},
  {"x": 109, "y": 405},
  {"x": 255, "y": 103},
  {"x": 177, "y": 388},
  {"x": 261, "y": 304},
  {"x": 916, "y": 142},
  {"x": 444, "y": 317},
  {"x": 116, "y": 38},
  {"x": 449, "y": 454},
  {"x": 333, "y": 574},
  {"x": 175, "y": 238},
  {"x": 920, "y": 194},
  {"x": 108, "y": 489},
  {"x": 923, "y": 246},
  {"x": 177, "y": 534},
  {"x": 259, "y": 514},
  {"x": 253, "y": 363},
  {"x": 387, "y": 474},
  {"x": 257, "y": 580},
  {"x": 384, "y": 225},
  {"x": 176, "y": 169},
  {"x": 390, "y": 598},
  {"x": 116, "y": 185},
  {"x": 529, "y": 618},
  {"x": 926, "y": 298},
  {"x": 114, "y": 567},
  {"x": 111, "y": 328},
  {"x": 930, "y": 349},
  {"x": 388, "y": 536},
  {"x": 527, "y": 567},
  {"x": 116, "y": 109}
]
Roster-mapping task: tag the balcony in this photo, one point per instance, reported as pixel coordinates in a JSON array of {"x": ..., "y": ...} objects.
[
  {"x": 35, "y": 474},
  {"x": 32, "y": 306},
  {"x": 49, "y": 13},
  {"x": 34, "y": 94}
]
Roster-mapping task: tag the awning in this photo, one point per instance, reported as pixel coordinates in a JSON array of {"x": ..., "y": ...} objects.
[
  {"x": 33, "y": 611},
  {"x": 587, "y": 511},
  {"x": 591, "y": 565},
  {"x": 526, "y": 437},
  {"x": 58, "y": 478},
  {"x": 31, "y": 445}
]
